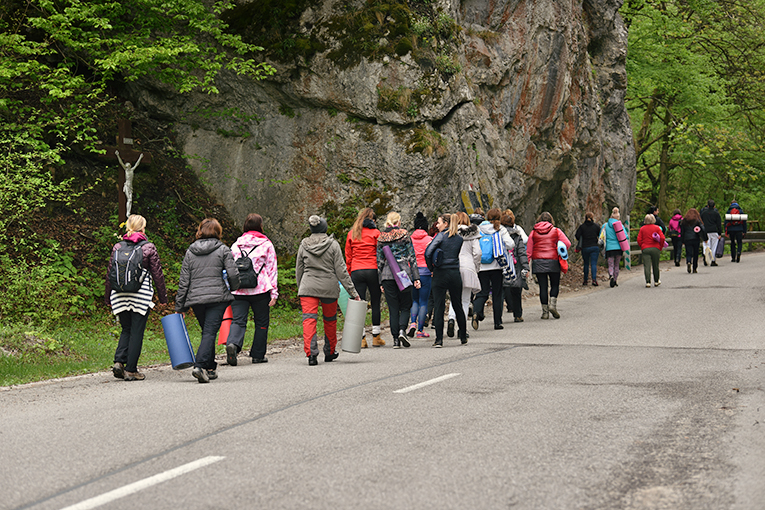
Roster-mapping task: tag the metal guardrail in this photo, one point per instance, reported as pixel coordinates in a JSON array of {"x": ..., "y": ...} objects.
[{"x": 754, "y": 236}]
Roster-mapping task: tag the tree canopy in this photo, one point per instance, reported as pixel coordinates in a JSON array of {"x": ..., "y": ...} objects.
[
  {"x": 57, "y": 59},
  {"x": 695, "y": 97}
]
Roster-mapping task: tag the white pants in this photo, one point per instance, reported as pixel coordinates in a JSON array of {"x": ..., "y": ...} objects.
[
  {"x": 465, "y": 304},
  {"x": 714, "y": 237}
]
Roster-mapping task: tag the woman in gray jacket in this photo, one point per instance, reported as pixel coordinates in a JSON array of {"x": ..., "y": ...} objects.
[
  {"x": 319, "y": 266},
  {"x": 206, "y": 289}
]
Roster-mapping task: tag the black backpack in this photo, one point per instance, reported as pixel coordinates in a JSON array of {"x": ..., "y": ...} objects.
[
  {"x": 248, "y": 278},
  {"x": 127, "y": 273}
]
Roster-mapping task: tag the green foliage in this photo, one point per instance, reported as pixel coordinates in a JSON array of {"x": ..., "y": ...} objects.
[
  {"x": 447, "y": 65},
  {"x": 287, "y": 111},
  {"x": 696, "y": 101},
  {"x": 427, "y": 142},
  {"x": 57, "y": 59}
]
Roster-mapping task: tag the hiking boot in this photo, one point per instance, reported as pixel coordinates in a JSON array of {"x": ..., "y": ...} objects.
[
  {"x": 364, "y": 343},
  {"x": 331, "y": 357},
  {"x": 612, "y": 282},
  {"x": 312, "y": 361},
  {"x": 450, "y": 328},
  {"x": 475, "y": 321},
  {"x": 694, "y": 271},
  {"x": 377, "y": 340},
  {"x": 518, "y": 319},
  {"x": 714, "y": 263},
  {"x": 553, "y": 308},
  {"x": 212, "y": 374},
  {"x": 688, "y": 266},
  {"x": 118, "y": 369},
  {"x": 200, "y": 375},
  {"x": 545, "y": 312},
  {"x": 738, "y": 257},
  {"x": 231, "y": 354},
  {"x": 134, "y": 376}
]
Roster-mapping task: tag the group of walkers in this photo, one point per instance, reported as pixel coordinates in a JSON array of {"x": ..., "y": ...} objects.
[{"x": 470, "y": 258}]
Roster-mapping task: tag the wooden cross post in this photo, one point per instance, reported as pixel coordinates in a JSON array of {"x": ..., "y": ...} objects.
[{"x": 128, "y": 155}]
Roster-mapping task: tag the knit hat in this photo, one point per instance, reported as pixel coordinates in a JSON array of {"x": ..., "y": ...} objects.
[
  {"x": 318, "y": 224},
  {"x": 420, "y": 222}
]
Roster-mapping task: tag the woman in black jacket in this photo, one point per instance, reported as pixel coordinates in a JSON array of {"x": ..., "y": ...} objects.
[
  {"x": 588, "y": 233},
  {"x": 206, "y": 289},
  {"x": 443, "y": 258},
  {"x": 692, "y": 232}
]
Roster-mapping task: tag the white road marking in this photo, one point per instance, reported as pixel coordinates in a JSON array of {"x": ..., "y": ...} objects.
[
  {"x": 143, "y": 484},
  {"x": 426, "y": 383}
]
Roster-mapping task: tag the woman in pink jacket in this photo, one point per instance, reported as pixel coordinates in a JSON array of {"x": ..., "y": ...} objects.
[
  {"x": 255, "y": 245},
  {"x": 542, "y": 250}
]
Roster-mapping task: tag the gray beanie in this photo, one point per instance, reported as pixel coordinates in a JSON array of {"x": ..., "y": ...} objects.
[{"x": 318, "y": 224}]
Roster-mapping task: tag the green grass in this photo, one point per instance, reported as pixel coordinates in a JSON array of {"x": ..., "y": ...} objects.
[{"x": 86, "y": 346}]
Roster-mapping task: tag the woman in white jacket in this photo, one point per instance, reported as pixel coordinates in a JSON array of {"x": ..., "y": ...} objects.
[
  {"x": 470, "y": 264},
  {"x": 490, "y": 275}
]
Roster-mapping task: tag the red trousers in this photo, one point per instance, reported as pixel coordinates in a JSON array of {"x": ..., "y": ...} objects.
[{"x": 310, "y": 307}]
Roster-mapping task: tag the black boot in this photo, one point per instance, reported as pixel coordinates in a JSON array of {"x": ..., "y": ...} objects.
[{"x": 312, "y": 361}]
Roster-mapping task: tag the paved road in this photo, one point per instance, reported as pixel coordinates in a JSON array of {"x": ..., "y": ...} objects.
[{"x": 637, "y": 399}]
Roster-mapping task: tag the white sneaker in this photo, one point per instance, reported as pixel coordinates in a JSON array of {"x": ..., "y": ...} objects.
[
  {"x": 657, "y": 283},
  {"x": 648, "y": 285}
]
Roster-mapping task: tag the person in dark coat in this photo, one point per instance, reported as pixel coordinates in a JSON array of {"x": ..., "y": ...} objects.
[
  {"x": 443, "y": 258},
  {"x": 588, "y": 233},
  {"x": 735, "y": 230},
  {"x": 713, "y": 225},
  {"x": 692, "y": 231},
  {"x": 132, "y": 308},
  {"x": 204, "y": 288},
  {"x": 513, "y": 291}
]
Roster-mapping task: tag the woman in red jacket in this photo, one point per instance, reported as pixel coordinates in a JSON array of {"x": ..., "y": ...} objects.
[
  {"x": 361, "y": 259},
  {"x": 651, "y": 241},
  {"x": 542, "y": 251}
]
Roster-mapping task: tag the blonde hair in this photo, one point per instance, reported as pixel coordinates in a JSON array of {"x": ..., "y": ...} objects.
[
  {"x": 393, "y": 219},
  {"x": 650, "y": 219},
  {"x": 454, "y": 224},
  {"x": 135, "y": 223},
  {"x": 615, "y": 213}
]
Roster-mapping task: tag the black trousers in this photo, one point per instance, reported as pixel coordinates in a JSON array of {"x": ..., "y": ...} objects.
[
  {"x": 209, "y": 316},
  {"x": 448, "y": 280},
  {"x": 736, "y": 243},
  {"x": 493, "y": 281},
  {"x": 677, "y": 244},
  {"x": 399, "y": 305},
  {"x": 513, "y": 300},
  {"x": 261, "y": 316},
  {"x": 554, "y": 279},
  {"x": 131, "y": 339},
  {"x": 692, "y": 252},
  {"x": 364, "y": 279}
]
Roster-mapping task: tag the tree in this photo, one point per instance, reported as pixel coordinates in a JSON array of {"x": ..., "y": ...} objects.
[
  {"x": 57, "y": 59},
  {"x": 695, "y": 107}
]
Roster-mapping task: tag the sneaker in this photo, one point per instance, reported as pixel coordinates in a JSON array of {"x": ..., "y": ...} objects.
[
  {"x": 231, "y": 354},
  {"x": 450, "y": 328},
  {"x": 714, "y": 263},
  {"x": 331, "y": 357},
  {"x": 648, "y": 285},
  {"x": 657, "y": 283},
  {"x": 118, "y": 369},
  {"x": 594, "y": 283},
  {"x": 499, "y": 326},
  {"x": 694, "y": 270},
  {"x": 212, "y": 374},
  {"x": 464, "y": 340},
  {"x": 612, "y": 282},
  {"x": 688, "y": 266},
  {"x": 260, "y": 360},
  {"x": 412, "y": 329},
  {"x": 518, "y": 319},
  {"x": 475, "y": 321},
  {"x": 312, "y": 361},
  {"x": 200, "y": 375},
  {"x": 134, "y": 376},
  {"x": 677, "y": 263},
  {"x": 402, "y": 339},
  {"x": 438, "y": 344},
  {"x": 422, "y": 334}
]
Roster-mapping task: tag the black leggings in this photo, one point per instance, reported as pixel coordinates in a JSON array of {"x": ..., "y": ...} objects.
[
  {"x": 554, "y": 285},
  {"x": 364, "y": 279}
]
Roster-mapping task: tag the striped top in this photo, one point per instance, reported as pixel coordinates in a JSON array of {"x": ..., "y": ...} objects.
[{"x": 138, "y": 302}]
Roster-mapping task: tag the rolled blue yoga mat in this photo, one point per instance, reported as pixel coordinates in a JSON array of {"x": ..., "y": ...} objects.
[
  {"x": 562, "y": 250},
  {"x": 178, "y": 342}
]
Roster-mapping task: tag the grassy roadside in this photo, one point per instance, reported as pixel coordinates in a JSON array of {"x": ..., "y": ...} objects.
[{"x": 87, "y": 346}]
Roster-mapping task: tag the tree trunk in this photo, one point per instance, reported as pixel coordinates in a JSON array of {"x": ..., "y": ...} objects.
[{"x": 664, "y": 164}]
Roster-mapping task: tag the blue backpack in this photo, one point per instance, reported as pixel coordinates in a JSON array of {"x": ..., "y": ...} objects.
[{"x": 487, "y": 251}]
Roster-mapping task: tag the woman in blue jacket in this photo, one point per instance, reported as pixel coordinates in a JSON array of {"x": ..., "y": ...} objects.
[{"x": 613, "y": 250}]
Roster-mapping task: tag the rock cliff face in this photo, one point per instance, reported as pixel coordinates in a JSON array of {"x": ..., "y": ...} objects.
[{"x": 424, "y": 105}]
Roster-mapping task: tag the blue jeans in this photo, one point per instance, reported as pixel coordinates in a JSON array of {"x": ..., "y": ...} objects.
[
  {"x": 420, "y": 301},
  {"x": 590, "y": 257}
]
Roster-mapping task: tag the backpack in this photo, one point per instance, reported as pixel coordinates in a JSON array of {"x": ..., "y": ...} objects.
[
  {"x": 487, "y": 251},
  {"x": 735, "y": 210},
  {"x": 127, "y": 272},
  {"x": 248, "y": 278}
]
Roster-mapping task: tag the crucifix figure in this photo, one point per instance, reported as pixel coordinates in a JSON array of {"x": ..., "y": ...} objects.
[
  {"x": 128, "y": 160},
  {"x": 128, "y": 187}
]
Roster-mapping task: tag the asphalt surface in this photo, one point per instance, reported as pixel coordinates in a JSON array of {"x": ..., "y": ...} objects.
[{"x": 636, "y": 398}]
